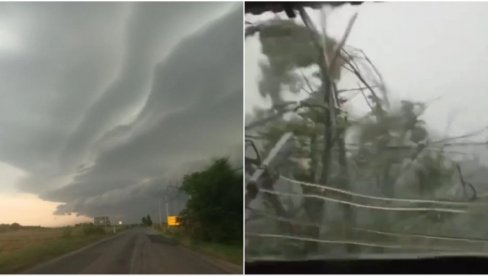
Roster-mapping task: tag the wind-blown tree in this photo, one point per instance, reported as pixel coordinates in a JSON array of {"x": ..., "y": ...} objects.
[
  {"x": 393, "y": 159},
  {"x": 391, "y": 151},
  {"x": 386, "y": 138},
  {"x": 289, "y": 50},
  {"x": 290, "y": 47}
]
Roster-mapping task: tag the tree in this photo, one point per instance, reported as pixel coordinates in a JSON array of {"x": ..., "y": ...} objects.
[
  {"x": 214, "y": 209},
  {"x": 291, "y": 47},
  {"x": 386, "y": 138},
  {"x": 15, "y": 226},
  {"x": 146, "y": 220}
]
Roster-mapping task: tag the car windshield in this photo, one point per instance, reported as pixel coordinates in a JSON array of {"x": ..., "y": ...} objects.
[{"x": 366, "y": 130}]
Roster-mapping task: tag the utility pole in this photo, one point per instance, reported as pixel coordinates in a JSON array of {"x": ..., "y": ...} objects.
[
  {"x": 167, "y": 207},
  {"x": 159, "y": 211}
]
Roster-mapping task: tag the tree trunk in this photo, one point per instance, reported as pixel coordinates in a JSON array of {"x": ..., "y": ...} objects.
[
  {"x": 349, "y": 214},
  {"x": 387, "y": 189},
  {"x": 315, "y": 207}
]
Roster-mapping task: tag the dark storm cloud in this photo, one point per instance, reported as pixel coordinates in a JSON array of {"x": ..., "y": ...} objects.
[
  {"x": 53, "y": 78},
  {"x": 70, "y": 125},
  {"x": 151, "y": 27}
]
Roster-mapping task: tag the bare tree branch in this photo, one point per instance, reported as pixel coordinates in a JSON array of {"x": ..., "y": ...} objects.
[
  {"x": 465, "y": 184},
  {"x": 307, "y": 82},
  {"x": 354, "y": 89},
  {"x": 469, "y": 134},
  {"x": 366, "y": 99},
  {"x": 358, "y": 74},
  {"x": 337, "y": 51}
]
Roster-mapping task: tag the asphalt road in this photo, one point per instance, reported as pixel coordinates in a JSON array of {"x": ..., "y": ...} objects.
[{"x": 135, "y": 251}]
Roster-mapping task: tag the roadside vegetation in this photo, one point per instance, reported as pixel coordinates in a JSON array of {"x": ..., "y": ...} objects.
[
  {"x": 212, "y": 219},
  {"x": 229, "y": 252},
  {"x": 147, "y": 221},
  {"x": 22, "y": 247}
]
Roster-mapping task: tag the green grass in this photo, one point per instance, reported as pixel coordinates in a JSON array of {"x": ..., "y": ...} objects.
[
  {"x": 230, "y": 253},
  {"x": 16, "y": 261}
]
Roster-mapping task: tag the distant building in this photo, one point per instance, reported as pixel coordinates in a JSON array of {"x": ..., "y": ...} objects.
[{"x": 102, "y": 221}]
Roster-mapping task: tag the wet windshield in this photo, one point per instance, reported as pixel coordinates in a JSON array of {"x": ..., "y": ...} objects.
[{"x": 366, "y": 130}]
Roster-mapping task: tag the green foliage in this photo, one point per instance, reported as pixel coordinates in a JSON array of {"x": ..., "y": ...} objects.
[
  {"x": 289, "y": 46},
  {"x": 147, "y": 221},
  {"x": 432, "y": 173},
  {"x": 91, "y": 229},
  {"x": 389, "y": 138},
  {"x": 214, "y": 210},
  {"x": 289, "y": 43}
]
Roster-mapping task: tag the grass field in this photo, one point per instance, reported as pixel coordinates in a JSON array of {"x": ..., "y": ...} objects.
[{"x": 24, "y": 248}]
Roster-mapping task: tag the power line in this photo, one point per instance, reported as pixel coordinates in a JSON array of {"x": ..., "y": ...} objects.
[
  {"x": 473, "y": 240},
  {"x": 360, "y": 229},
  {"x": 342, "y": 191},
  {"x": 401, "y": 209},
  {"x": 352, "y": 242}
]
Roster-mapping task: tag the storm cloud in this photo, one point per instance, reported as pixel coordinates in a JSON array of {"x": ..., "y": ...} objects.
[{"x": 106, "y": 104}]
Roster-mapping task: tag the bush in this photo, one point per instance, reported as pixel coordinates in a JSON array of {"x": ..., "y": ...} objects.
[
  {"x": 15, "y": 226},
  {"x": 91, "y": 229}
]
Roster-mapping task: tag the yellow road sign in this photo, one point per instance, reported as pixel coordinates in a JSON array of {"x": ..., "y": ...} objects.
[{"x": 173, "y": 221}]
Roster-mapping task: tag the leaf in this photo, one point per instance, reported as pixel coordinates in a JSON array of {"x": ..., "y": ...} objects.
[{"x": 289, "y": 46}]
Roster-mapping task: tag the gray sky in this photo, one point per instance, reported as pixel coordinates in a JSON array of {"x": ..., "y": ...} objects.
[
  {"x": 423, "y": 49},
  {"x": 105, "y": 103}
]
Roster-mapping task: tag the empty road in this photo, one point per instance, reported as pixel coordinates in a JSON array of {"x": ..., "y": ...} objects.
[{"x": 135, "y": 251}]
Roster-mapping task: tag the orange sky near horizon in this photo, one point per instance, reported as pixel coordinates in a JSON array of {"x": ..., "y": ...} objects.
[{"x": 28, "y": 209}]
